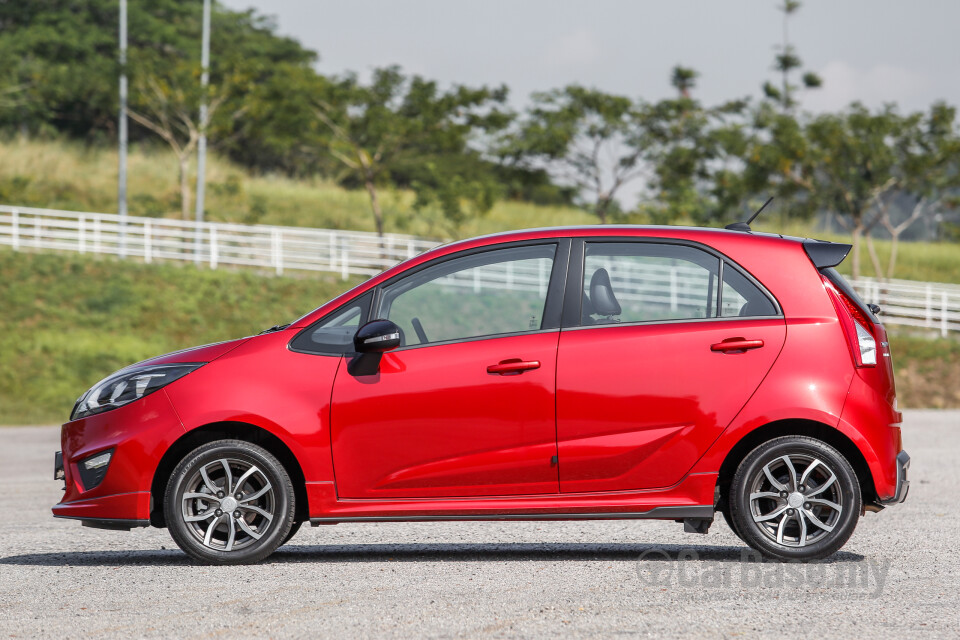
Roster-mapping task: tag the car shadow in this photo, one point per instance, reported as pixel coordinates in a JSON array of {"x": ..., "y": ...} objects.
[{"x": 430, "y": 552}]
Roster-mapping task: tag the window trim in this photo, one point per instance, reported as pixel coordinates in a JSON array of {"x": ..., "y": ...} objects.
[
  {"x": 552, "y": 310},
  {"x": 573, "y": 301},
  {"x": 364, "y": 318}
]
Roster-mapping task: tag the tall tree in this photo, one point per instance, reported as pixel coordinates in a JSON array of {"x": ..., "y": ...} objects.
[
  {"x": 694, "y": 153},
  {"x": 585, "y": 138},
  {"x": 786, "y": 61},
  {"x": 168, "y": 104},
  {"x": 928, "y": 168},
  {"x": 410, "y": 132},
  {"x": 844, "y": 163}
]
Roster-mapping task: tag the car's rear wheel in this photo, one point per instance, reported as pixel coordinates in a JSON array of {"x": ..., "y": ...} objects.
[
  {"x": 229, "y": 502},
  {"x": 795, "y": 498}
]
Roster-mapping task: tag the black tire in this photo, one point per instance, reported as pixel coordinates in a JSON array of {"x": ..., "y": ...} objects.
[
  {"x": 793, "y": 519},
  {"x": 243, "y": 527},
  {"x": 293, "y": 532},
  {"x": 730, "y": 522}
]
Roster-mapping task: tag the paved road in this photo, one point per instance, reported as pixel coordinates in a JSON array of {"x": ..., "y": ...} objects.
[{"x": 898, "y": 576}]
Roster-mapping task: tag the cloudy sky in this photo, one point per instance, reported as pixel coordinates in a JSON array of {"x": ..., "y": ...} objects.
[{"x": 874, "y": 51}]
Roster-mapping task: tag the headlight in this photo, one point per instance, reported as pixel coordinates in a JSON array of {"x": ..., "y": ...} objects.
[{"x": 127, "y": 385}]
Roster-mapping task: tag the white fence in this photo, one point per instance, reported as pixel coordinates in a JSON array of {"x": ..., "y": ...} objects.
[
  {"x": 211, "y": 243},
  {"x": 927, "y": 305}
]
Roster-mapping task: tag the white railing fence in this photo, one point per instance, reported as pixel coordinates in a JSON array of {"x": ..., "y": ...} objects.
[
  {"x": 926, "y": 305},
  {"x": 210, "y": 243}
]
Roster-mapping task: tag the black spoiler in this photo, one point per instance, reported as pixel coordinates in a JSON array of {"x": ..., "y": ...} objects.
[{"x": 824, "y": 254}]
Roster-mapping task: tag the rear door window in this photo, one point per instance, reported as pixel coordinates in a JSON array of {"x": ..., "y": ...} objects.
[{"x": 647, "y": 282}]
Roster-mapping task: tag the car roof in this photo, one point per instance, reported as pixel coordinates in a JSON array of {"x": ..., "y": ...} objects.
[{"x": 605, "y": 230}]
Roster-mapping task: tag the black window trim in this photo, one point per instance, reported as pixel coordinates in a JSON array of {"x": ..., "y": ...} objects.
[
  {"x": 364, "y": 318},
  {"x": 552, "y": 310},
  {"x": 573, "y": 302}
]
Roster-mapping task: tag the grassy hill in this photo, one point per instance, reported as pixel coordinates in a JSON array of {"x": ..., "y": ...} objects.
[
  {"x": 66, "y": 175},
  {"x": 68, "y": 320}
]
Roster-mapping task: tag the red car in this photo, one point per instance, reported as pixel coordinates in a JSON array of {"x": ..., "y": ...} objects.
[{"x": 557, "y": 374}]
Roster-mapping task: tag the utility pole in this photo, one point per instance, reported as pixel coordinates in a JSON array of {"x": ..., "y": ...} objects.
[
  {"x": 122, "y": 132},
  {"x": 202, "y": 143}
]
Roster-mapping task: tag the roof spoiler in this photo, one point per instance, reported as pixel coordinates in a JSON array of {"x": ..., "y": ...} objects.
[{"x": 824, "y": 254}]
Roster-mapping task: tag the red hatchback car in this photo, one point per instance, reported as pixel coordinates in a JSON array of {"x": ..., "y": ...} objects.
[{"x": 557, "y": 374}]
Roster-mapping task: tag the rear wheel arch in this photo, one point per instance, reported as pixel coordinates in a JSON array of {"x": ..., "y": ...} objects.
[
  {"x": 796, "y": 427},
  {"x": 225, "y": 431}
]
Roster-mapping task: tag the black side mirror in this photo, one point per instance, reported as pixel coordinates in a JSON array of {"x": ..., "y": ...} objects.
[
  {"x": 371, "y": 341},
  {"x": 377, "y": 336}
]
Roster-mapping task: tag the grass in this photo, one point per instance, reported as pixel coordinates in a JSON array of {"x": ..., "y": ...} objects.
[
  {"x": 67, "y": 175},
  {"x": 68, "y": 320}
]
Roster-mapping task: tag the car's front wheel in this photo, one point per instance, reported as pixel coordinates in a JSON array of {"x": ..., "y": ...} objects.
[
  {"x": 795, "y": 498},
  {"x": 229, "y": 502}
]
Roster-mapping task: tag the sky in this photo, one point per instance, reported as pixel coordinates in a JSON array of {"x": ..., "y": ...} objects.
[{"x": 874, "y": 51}]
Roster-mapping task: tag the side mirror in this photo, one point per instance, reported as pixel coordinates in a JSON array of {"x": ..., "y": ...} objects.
[
  {"x": 377, "y": 336},
  {"x": 371, "y": 341}
]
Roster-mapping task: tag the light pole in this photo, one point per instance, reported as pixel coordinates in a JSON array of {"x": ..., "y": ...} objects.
[
  {"x": 122, "y": 132},
  {"x": 202, "y": 143}
]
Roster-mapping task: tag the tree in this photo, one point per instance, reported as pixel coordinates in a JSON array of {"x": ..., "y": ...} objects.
[
  {"x": 168, "y": 104},
  {"x": 785, "y": 62},
  {"x": 683, "y": 80},
  {"x": 65, "y": 52},
  {"x": 694, "y": 153},
  {"x": 409, "y": 132},
  {"x": 585, "y": 138},
  {"x": 928, "y": 170}
]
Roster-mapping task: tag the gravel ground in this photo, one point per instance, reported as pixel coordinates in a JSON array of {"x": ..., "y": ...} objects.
[{"x": 898, "y": 576}]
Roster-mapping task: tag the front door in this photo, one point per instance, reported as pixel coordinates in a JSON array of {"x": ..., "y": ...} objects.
[
  {"x": 465, "y": 406},
  {"x": 664, "y": 358}
]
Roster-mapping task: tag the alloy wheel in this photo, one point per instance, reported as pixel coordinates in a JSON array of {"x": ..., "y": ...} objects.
[
  {"x": 796, "y": 500},
  {"x": 228, "y": 504}
]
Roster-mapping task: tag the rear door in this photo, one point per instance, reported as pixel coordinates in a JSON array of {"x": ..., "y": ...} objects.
[{"x": 668, "y": 342}]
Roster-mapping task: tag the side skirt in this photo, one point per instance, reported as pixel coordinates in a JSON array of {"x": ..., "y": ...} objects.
[{"x": 699, "y": 512}]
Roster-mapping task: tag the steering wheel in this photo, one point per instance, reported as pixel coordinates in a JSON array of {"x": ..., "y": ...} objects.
[{"x": 418, "y": 327}]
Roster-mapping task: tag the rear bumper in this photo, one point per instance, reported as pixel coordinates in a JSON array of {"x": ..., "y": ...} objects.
[{"x": 903, "y": 484}]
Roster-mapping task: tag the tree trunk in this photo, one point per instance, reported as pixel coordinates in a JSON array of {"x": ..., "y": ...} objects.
[
  {"x": 375, "y": 206},
  {"x": 894, "y": 242},
  {"x": 874, "y": 258},
  {"x": 855, "y": 253},
  {"x": 601, "y": 209},
  {"x": 184, "y": 161}
]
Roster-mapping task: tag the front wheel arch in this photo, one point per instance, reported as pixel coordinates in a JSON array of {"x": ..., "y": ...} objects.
[
  {"x": 226, "y": 431},
  {"x": 810, "y": 428}
]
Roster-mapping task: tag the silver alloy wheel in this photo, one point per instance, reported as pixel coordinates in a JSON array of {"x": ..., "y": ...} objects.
[
  {"x": 228, "y": 504},
  {"x": 795, "y": 500}
]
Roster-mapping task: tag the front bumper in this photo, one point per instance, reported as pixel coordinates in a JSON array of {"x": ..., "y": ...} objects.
[
  {"x": 119, "y": 495},
  {"x": 903, "y": 484}
]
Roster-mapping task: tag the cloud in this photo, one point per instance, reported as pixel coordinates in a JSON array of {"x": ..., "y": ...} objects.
[
  {"x": 577, "y": 49},
  {"x": 844, "y": 83}
]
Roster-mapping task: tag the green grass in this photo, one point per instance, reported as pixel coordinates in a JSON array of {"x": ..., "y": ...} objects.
[
  {"x": 65, "y": 175},
  {"x": 66, "y": 321}
]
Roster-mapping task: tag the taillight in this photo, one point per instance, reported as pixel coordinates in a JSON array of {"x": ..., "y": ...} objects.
[{"x": 856, "y": 326}]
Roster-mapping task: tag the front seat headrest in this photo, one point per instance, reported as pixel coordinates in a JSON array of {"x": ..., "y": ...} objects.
[{"x": 601, "y": 294}]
